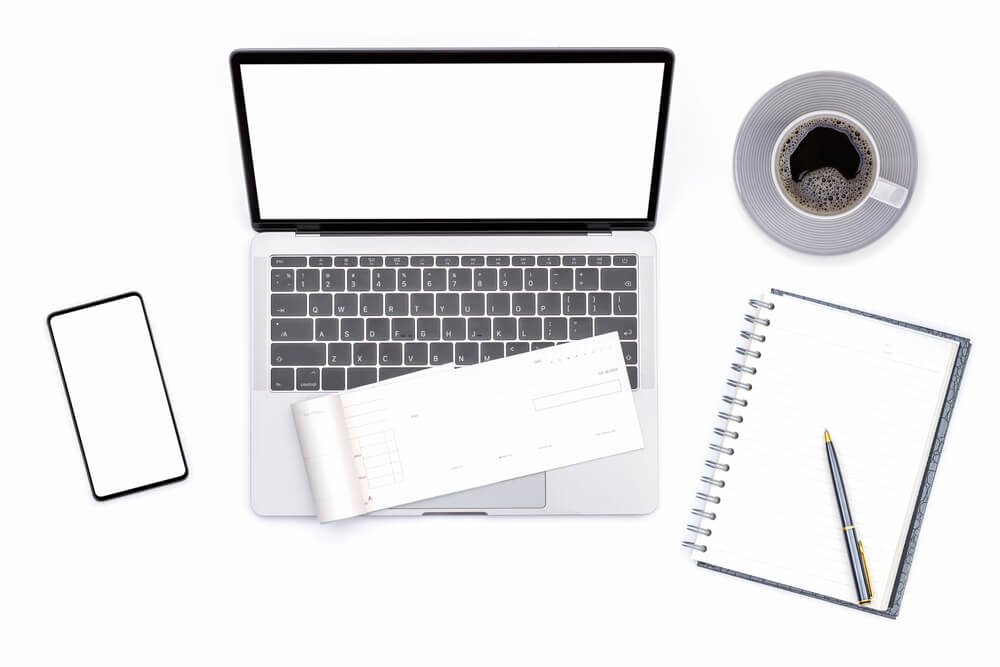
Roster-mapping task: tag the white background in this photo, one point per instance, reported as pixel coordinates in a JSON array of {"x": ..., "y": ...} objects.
[{"x": 120, "y": 170}]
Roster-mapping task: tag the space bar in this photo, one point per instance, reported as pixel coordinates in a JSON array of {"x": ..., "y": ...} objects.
[{"x": 389, "y": 373}]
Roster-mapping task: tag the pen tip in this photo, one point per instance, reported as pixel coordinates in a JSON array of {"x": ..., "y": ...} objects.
[{"x": 826, "y": 436}]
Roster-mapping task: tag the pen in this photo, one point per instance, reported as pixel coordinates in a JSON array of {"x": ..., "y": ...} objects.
[{"x": 855, "y": 552}]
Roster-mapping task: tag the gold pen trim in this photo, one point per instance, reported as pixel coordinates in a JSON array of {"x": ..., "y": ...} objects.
[
  {"x": 868, "y": 576},
  {"x": 848, "y": 527}
]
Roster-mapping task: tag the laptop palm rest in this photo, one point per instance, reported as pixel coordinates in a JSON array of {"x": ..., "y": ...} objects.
[{"x": 523, "y": 492}]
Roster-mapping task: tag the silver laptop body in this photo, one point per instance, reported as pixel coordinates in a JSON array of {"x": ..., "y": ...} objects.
[{"x": 412, "y": 205}]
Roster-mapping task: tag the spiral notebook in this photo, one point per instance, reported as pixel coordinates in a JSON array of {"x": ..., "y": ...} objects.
[{"x": 885, "y": 389}]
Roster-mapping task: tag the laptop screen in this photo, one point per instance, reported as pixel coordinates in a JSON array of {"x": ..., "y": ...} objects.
[{"x": 453, "y": 141}]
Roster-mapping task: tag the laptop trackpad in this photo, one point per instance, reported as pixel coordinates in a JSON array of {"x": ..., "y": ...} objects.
[{"x": 523, "y": 492}]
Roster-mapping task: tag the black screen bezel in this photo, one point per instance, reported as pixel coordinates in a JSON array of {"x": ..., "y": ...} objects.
[
  {"x": 455, "y": 225},
  {"x": 72, "y": 411}
]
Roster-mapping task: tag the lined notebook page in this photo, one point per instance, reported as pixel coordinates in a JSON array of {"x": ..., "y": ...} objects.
[{"x": 879, "y": 389}]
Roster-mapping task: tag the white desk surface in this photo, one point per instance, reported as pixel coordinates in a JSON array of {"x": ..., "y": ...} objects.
[{"x": 120, "y": 170}]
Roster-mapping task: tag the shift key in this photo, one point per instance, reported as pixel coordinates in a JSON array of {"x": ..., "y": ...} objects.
[{"x": 298, "y": 354}]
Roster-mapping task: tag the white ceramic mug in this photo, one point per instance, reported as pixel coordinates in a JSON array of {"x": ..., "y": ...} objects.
[{"x": 881, "y": 190}]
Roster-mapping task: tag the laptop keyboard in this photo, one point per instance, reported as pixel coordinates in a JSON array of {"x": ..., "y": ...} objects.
[{"x": 339, "y": 322}]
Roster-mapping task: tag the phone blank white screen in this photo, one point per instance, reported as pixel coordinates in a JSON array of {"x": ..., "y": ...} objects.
[
  {"x": 117, "y": 396},
  {"x": 453, "y": 140}
]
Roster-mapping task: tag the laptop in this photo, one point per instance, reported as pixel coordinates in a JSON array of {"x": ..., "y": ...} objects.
[{"x": 424, "y": 207}]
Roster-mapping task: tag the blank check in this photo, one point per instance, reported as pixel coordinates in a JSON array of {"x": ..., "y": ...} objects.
[{"x": 453, "y": 428}]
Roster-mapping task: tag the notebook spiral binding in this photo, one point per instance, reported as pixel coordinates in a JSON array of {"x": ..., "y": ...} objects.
[{"x": 743, "y": 370}]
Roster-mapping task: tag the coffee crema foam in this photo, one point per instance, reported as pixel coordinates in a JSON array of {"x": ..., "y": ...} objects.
[{"x": 824, "y": 190}]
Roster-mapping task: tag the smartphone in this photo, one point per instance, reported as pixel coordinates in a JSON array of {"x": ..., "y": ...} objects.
[{"x": 117, "y": 397}]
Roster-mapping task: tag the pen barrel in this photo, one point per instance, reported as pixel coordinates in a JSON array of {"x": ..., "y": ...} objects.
[
  {"x": 858, "y": 566},
  {"x": 838, "y": 486}
]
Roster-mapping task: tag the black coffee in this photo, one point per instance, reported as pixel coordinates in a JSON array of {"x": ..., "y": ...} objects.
[{"x": 825, "y": 165}]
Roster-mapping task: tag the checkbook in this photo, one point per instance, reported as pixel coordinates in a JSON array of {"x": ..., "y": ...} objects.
[{"x": 453, "y": 428}]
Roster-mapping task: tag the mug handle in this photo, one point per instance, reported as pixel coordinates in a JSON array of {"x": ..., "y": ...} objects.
[{"x": 889, "y": 193}]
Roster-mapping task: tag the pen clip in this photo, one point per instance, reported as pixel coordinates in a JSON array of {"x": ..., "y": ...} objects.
[{"x": 868, "y": 577}]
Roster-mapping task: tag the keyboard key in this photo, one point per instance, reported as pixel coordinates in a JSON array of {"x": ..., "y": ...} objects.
[
  {"x": 555, "y": 328},
  {"x": 359, "y": 280},
  {"x": 403, "y": 328},
  {"x": 288, "y": 261},
  {"x": 627, "y": 327},
  {"x": 466, "y": 354},
  {"x": 539, "y": 346},
  {"x": 630, "y": 351},
  {"x": 298, "y": 354},
  {"x": 384, "y": 280},
  {"x": 574, "y": 260},
  {"x": 338, "y": 354},
  {"x": 321, "y": 261},
  {"x": 390, "y": 354},
  {"x": 345, "y": 305},
  {"x": 441, "y": 353},
  {"x": 370, "y": 260},
  {"x": 435, "y": 280},
  {"x": 282, "y": 379},
  {"x": 574, "y": 303},
  {"x": 365, "y": 354},
  {"x": 586, "y": 279},
  {"x": 345, "y": 261},
  {"x": 490, "y": 351},
  {"x": 288, "y": 304},
  {"x": 397, "y": 260},
  {"x": 624, "y": 260},
  {"x": 333, "y": 379},
  {"x": 562, "y": 279},
  {"x": 633, "y": 376},
  {"x": 473, "y": 260},
  {"x": 282, "y": 280},
  {"x": 599, "y": 260},
  {"x": 428, "y": 328},
  {"x": 352, "y": 328},
  {"x": 446, "y": 304},
  {"x": 327, "y": 328},
  {"x": 498, "y": 304},
  {"x": 626, "y": 303},
  {"x": 307, "y": 379},
  {"x": 296, "y": 328},
  {"x": 371, "y": 305},
  {"x": 479, "y": 328},
  {"x": 422, "y": 304},
  {"x": 377, "y": 328},
  {"x": 422, "y": 260},
  {"x": 409, "y": 280},
  {"x": 536, "y": 280},
  {"x": 460, "y": 280},
  {"x": 389, "y": 373},
  {"x": 485, "y": 280},
  {"x": 523, "y": 260},
  {"x": 529, "y": 328},
  {"x": 516, "y": 348},
  {"x": 320, "y": 304},
  {"x": 504, "y": 328},
  {"x": 415, "y": 354},
  {"x": 599, "y": 303},
  {"x": 511, "y": 280},
  {"x": 359, "y": 377},
  {"x": 548, "y": 260},
  {"x": 453, "y": 328},
  {"x": 523, "y": 303},
  {"x": 497, "y": 260},
  {"x": 473, "y": 303},
  {"x": 549, "y": 304},
  {"x": 618, "y": 279},
  {"x": 333, "y": 280},
  {"x": 397, "y": 304},
  {"x": 446, "y": 260},
  {"x": 580, "y": 327}
]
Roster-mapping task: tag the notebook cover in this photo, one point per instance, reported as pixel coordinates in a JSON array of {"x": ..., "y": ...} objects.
[{"x": 961, "y": 357}]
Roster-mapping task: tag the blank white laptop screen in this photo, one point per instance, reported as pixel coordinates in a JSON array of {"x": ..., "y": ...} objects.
[{"x": 438, "y": 141}]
